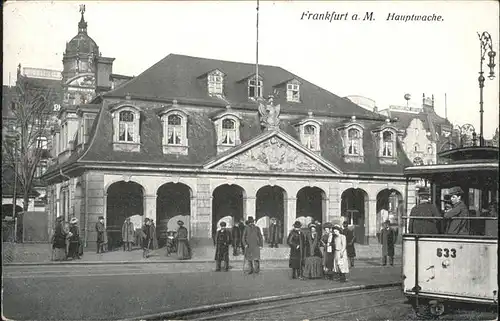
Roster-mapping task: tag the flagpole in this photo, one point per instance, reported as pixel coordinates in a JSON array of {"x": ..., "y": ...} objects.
[
  {"x": 445, "y": 107},
  {"x": 256, "y": 93}
]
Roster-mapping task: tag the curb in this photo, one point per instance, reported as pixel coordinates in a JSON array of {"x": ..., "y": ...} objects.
[
  {"x": 58, "y": 263},
  {"x": 274, "y": 298}
]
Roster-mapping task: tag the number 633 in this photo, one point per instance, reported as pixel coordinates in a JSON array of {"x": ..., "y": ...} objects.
[{"x": 446, "y": 252}]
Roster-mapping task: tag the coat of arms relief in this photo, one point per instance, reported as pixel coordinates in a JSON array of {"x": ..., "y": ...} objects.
[{"x": 273, "y": 155}]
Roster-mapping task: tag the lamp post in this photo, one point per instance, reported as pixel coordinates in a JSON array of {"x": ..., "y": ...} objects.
[{"x": 486, "y": 48}]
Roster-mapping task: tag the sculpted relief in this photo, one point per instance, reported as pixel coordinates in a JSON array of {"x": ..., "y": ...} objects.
[{"x": 273, "y": 155}]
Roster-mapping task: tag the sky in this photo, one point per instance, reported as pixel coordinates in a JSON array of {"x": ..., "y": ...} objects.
[{"x": 380, "y": 59}]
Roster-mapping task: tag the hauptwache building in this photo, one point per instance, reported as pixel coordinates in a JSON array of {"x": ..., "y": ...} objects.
[{"x": 188, "y": 139}]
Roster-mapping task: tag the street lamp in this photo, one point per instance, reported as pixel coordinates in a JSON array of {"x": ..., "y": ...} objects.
[{"x": 486, "y": 47}]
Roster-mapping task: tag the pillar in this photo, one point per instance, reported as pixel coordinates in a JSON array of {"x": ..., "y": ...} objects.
[
  {"x": 193, "y": 222},
  {"x": 149, "y": 205},
  {"x": 249, "y": 209},
  {"x": 372, "y": 221},
  {"x": 290, "y": 215},
  {"x": 333, "y": 201}
]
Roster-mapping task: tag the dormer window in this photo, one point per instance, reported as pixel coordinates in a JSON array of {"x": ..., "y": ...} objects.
[
  {"x": 353, "y": 142},
  {"x": 227, "y": 125},
  {"x": 174, "y": 130},
  {"x": 309, "y": 131},
  {"x": 293, "y": 91},
  {"x": 216, "y": 83},
  {"x": 126, "y": 128},
  {"x": 388, "y": 143},
  {"x": 174, "y": 122},
  {"x": 228, "y": 132},
  {"x": 255, "y": 88}
]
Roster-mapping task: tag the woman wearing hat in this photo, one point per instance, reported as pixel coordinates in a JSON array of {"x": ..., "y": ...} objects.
[
  {"x": 74, "y": 239},
  {"x": 183, "y": 248},
  {"x": 458, "y": 209},
  {"x": 328, "y": 250},
  {"x": 101, "y": 234},
  {"x": 340, "y": 263},
  {"x": 313, "y": 268},
  {"x": 296, "y": 241}
]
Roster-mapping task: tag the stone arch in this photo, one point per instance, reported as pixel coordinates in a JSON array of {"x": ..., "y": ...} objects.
[
  {"x": 390, "y": 206},
  {"x": 227, "y": 205},
  {"x": 355, "y": 210},
  {"x": 173, "y": 203},
  {"x": 311, "y": 205},
  {"x": 271, "y": 202},
  {"x": 144, "y": 186},
  {"x": 123, "y": 199}
]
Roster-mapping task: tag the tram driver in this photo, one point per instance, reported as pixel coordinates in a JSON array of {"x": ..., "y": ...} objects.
[{"x": 459, "y": 209}]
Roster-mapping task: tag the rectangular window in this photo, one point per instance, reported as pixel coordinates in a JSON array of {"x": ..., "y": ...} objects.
[
  {"x": 254, "y": 89},
  {"x": 292, "y": 92},
  {"x": 215, "y": 84},
  {"x": 126, "y": 126}
]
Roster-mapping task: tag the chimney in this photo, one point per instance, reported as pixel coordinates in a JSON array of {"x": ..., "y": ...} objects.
[{"x": 103, "y": 74}]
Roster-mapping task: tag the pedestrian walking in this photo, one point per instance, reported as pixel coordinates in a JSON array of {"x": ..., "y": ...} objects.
[
  {"x": 221, "y": 242},
  {"x": 296, "y": 241},
  {"x": 74, "y": 239},
  {"x": 237, "y": 236},
  {"x": 59, "y": 241},
  {"x": 101, "y": 234},
  {"x": 458, "y": 209},
  {"x": 152, "y": 231},
  {"x": 387, "y": 239},
  {"x": 128, "y": 234},
  {"x": 274, "y": 233},
  {"x": 253, "y": 241},
  {"x": 146, "y": 237},
  {"x": 425, "y": 208},
  {"x": 340, "y": 263},
  {"x": 313, "y": 267},
  {"x": 183, "y": 248},
  {"x": 328, "y": 250},
  {"x": 350, "y": 239}
]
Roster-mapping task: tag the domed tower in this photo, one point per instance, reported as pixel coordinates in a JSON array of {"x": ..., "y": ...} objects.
[{"x": 84, "y": 69}]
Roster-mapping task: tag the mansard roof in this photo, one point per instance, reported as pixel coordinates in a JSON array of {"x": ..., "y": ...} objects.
[
  {"x": 177, "y": 77},
  {"x": 202, "y": 142}
]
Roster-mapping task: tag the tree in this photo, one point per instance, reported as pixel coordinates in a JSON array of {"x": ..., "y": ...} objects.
[
  {"x": 27, "y": 131},
  {"x": 494, "y": 141}
]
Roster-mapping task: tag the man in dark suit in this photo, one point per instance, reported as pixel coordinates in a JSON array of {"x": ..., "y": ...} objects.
[
  {"x": 274, "y": 233},
  {"x": 222, "y": 241},
  {"x": 425, "y": 208},
  {"x": 459, "y": 209}
]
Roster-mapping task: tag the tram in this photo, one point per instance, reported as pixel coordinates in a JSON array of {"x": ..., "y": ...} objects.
[{"x": 442, "y": 268}]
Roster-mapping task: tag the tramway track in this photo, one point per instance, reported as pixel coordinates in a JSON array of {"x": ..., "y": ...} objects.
[{"x": 257, "y": 311}]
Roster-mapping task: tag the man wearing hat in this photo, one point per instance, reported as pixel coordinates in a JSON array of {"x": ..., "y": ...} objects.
[
  {"x": 222, "y": 241},
  {"x": 458, "y": 209},
  {"x": 387, "y": 239},
  {"x": 425, "y": 208},
  {"x": 127, "y": 234},
  {"x": 253, "y": 241},
  {"x": 274, "y": 233},
  {"x": 101, "y": 231},
  {"x": 296, "y": 241}
]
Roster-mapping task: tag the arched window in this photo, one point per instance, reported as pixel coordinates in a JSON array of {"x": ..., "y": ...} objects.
[
  {"x": 126, "y": 126},
  {"x": 429, "y": 149},
  {"x": 354, "y": 142},
  {"x": 174, "y": 130},
  {"x": 387, "y": 144},
  {"x": 416, "y": 147},
  {"x": 310, "y": 136},
  {"x": 417, "y": 161},
  {"x": 228, "y": 132}
]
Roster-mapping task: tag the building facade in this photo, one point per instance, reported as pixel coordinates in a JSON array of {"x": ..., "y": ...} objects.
[{"x": 206, "y": 140}]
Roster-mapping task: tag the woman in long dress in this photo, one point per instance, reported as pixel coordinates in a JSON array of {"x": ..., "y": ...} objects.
[
  {"x": 296, "y": 241},
  {"x": 328, "y": 250},
  {"x": 313, "y": 264},
  {"x": 59, "y": 241},
  {"x": 340, "y": 262},
  {"x": 183, "y": 249}
]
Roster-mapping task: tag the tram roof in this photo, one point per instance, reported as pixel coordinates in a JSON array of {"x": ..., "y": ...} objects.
[
  {"x": 471, "y": 154},
  {"x": 429, "y": 170}
]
